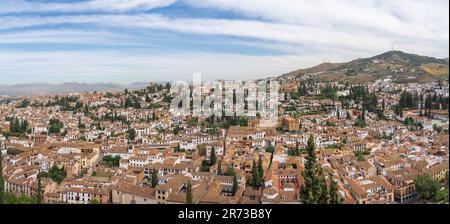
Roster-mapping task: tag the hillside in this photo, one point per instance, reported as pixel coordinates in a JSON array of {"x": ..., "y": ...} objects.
[{"x": 400, "y": 66}]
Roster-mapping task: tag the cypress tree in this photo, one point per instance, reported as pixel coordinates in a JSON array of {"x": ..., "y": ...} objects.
[
  {"x": 334, "y": 197},
  {"x": 235, "y": 185},
  {"x": 16, "y": 125},
  {"x": 260, "y": 168},
  {"x": 219, "y": 167},
  {"x": 213, "y": 157},
  {"x": 2, "y": 184},
  {"x": 39, "y": 188},
  {"x": 314, "y": 187},
  {"x": 323, "y": 199},
  {"x": 154, "y": 178},
  {"x": 189, "y": 193},
  {"x": 256, "y": 179}
]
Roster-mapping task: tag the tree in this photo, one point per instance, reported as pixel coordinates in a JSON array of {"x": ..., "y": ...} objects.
[
  {"x": 270, "y": 148},
  {"x": 213, "y": 156},
  {"x": 260, "y": 168},
  {"x": 235, "y": 185},
  {"x": 441, "y": 196},
  {"x": 359, "y": 155},
  {"x": 2, "y": 184},
  {"x": 256, "y": 180},
  {"x": 230, "y": 171},
  {"x": 314, "y": 188},
  {"x": 334, "y": 197},
  {"x": 112, "y": 161},
  {"x": 39, "y": 189},
  {"x": 361, "y": 120},
  {"x": 55, "y": 126},
  {"x": 219, "y": 167},
  {"x": 426, "y": 186},
  {"x": 11, "y": 198},
  {"x": 177, "y": 148},
  {"x": 329, "y": 92},
  {"x": 131, "y": 134},
  {"x": 57, "y": 174},
  {"x": 189, "y": 193},
  {"x": 93, "y": 202},
  {"x": 154, "y": 178},
  {"x": 154, "y": 116},
  {"x": 205, "y": 167},
  {"x": 302, "y": 91},
  {"x": 81, "y": 125}
]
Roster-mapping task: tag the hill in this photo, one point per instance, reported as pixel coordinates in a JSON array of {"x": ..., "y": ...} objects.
[{"x": 400, "y": 66}]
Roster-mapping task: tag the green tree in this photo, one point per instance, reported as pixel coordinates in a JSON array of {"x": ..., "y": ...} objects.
[
  {"x": 154, "y": 116},
  {"x": 2, "y": 184},
  {"x": 361, "y": 120},
  {"x": 441, "y": 196},
  {"x": 10, "y": 198},
  {"x": 230, "y": 171},
  {"x": 313, "y": 191},
  {"x": 426, "y": 186},
  {"x": 270, "y": 148},
  {"x": 57, "y": 174},
  {"x": 39, "y": 189},
  {"x": 213, "y": 156},
  {"x": 256, "y": 180},
  {"x": 334, "y": 197},
  {"x": 235, "y": 184},
  {"x": 219, "y": 167},
  {"x": 112, "y": 161},
  {"x": 177, "y": 148},
  {"x": 154, "y": 178},
  {"x": 131, "y": 134},
  {"x": 55, "y": 126},
  {"x": 260, "y": 167},
  {"x": 93, "y": 202},
  {"x": 329, "y": 92},
  {"x": 189, "y": 193}
]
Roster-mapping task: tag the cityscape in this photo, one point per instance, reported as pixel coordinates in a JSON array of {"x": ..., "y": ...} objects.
[{"x": 368, "y": 126}]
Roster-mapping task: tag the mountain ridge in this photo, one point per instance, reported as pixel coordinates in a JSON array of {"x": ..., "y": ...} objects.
[{"x": 398, "y": 65}]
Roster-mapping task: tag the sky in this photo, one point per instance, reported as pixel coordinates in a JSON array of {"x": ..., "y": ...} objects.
[{"x": 125, "y": 41}]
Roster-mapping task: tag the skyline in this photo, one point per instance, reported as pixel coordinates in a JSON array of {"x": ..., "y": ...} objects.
[{"x": 55, "y": 41}]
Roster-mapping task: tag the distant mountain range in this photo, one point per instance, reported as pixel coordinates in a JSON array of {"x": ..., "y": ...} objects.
[
  {"x": 400, "y": 66},
  {"x": 46, "y": 88}
]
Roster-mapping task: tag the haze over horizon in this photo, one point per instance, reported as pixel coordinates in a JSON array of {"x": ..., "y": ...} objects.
[{"x": 116, "y": 41}]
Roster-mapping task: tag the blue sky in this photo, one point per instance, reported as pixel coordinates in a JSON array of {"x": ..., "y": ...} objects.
[{"x": 128, "y": 41}]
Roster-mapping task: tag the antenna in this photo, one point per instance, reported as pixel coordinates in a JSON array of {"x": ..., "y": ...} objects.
[{"x": 392, "y": 46}]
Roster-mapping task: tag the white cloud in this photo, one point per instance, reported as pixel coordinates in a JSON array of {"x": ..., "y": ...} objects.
[
  {"x": 21, "y": 6},
  {"x": 309, "y": 31},
  {"x": 289, "y": 33},
  {"x": 66, "y": 36},
  {"x": 400, "y": 17}
]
